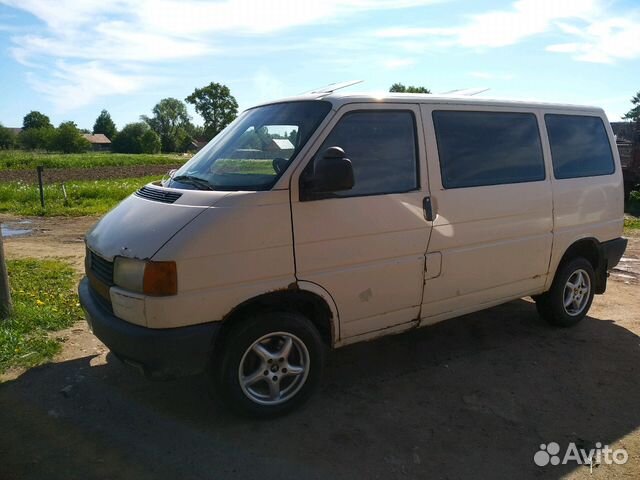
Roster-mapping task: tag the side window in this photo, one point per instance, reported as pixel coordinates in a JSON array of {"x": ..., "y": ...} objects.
[
  {"x": 382, "y": 148},
  {"x": 579, "y": 146},
  {"x": 488, "y": 148}
]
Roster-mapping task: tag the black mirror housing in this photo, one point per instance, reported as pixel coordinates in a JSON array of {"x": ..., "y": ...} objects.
[{"x": 333, "y": 172}]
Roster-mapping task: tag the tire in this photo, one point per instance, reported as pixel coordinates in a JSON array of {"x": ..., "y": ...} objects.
[
  {"x": 253, "y": 373},
  {"x": 563, "y": 305}
]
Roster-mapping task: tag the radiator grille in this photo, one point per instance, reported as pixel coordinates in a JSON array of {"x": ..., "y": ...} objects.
[
  {"x": 158, "y": 195},
  {"x": 102, "y": 269}
]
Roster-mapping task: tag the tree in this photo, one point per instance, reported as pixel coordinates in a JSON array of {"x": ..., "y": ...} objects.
[
  {"x": 171, "y": 122},
  {"x": 136, "y": 138},
  {"x": 36, "y": 138},
  {"x": 400, "y": 88},
  {"x": 150, "y": 142},
  {"x": 68, "y": 139},
  {"x": 35, "y": 119},
  {"x": 216, "y": 106},
  {"x": 104, "y": 124},
  {"x": 634, "y": 113},
  {"x": 7, "y": 139}
]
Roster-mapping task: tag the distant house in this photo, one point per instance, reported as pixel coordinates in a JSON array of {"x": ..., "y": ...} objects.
[
  {"x": 280, "y": 144},
  {"x": 196, "y": 145},
  {"x": 99, "y": 141}
]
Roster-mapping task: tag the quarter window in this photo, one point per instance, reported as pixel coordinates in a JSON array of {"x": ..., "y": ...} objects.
[
  {"x": 579, "y": 146},
  {"x": 382, "y": 148},
  {"x": 488, "y": 148}
]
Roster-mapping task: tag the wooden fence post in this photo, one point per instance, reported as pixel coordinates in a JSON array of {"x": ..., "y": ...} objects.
[
  {"x": 5, "y": 292},
  {"x": 39, "y": 169}
]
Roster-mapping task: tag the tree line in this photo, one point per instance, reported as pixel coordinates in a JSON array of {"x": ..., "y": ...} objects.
[{"x": 168, "y": 129}]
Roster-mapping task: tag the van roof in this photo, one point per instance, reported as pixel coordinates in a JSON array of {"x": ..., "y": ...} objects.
[{"x": 340, "y": 98}]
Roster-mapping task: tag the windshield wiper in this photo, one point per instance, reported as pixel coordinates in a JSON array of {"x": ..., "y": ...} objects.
[{"x": 201, "y": 183}]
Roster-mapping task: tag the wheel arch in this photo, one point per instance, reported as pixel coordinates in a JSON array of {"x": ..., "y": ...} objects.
[
  {"x": 591, "y": 249},
  {"x": 306, "y": 298}
]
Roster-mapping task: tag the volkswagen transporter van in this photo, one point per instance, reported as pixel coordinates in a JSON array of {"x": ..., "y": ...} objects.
[{"x": 328, "y": 219}]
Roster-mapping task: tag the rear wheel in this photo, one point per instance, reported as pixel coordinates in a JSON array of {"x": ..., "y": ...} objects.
[
  {"x": 571, "y": 294},
  {"x": 269, "y": 364}
]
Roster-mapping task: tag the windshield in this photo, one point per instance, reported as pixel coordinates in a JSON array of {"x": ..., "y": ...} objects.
[{"x": 254, "y": 150}]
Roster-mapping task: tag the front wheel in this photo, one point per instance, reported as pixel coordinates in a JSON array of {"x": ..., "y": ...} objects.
[
  {"x": 571, "y": 294},
  {"x": 269, "y": 364}
]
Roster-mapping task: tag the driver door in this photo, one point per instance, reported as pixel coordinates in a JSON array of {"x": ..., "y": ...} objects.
[{"x": 366, "y": 246}]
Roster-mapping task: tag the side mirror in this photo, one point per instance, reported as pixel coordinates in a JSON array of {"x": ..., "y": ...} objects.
[{"x": 333, "y": 172}]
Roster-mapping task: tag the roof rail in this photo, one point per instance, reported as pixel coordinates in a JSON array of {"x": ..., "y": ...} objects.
[
  {"x": 465, "y": 92},
  {"x": 332, "y": 87}
]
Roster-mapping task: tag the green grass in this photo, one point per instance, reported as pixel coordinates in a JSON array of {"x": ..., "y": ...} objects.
[
  {"x": 247, "y": 166},
  {"x": 84, "y": 197},
  {"x": 44, "y": 301},
  {"x": 19, "y": 159},
  {"x": 632, "y": 207},
  {"x": 632, "y": 223}
]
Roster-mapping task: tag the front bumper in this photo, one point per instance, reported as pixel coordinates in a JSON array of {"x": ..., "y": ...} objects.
[{"x": 159, "y": 353}]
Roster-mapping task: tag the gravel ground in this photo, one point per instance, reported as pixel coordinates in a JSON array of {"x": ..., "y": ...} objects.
[{"x": 473, "y": 397}]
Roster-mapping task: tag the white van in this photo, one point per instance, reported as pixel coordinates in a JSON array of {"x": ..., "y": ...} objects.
[{"x": 328, "y": 219}]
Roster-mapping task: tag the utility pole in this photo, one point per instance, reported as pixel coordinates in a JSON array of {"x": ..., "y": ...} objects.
[{"x": 5, "y": 293}]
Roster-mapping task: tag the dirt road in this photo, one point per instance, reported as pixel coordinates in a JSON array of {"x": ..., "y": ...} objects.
[{"x": 473, "y": 397}]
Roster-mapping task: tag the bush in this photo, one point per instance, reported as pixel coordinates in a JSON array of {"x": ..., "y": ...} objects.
[
  {"x": 150, "y": 142},
  {"x": 68, "y": 139},
  {"x": 6, "y": 138},
  {"x": 633, "y": 204},
  {"x": 136, "y": 138},
  {"x": 36, "y": 138}
]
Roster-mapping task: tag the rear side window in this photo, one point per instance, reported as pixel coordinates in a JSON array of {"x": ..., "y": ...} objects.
[
  {"x": 488, "y": 148},
  {"x": 382, "y": 148},
  {"x": 579, "y": 146}
]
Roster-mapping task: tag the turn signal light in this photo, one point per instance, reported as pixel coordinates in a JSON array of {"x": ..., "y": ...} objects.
[{"x": 160, "y": 279}]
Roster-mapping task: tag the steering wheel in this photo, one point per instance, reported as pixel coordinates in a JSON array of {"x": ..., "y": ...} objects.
[{"x": 279, "y": 164}]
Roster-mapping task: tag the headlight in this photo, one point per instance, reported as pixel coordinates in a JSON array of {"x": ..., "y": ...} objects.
[
  {"x": 150, "y": 278},
  {"x": 128, "y": 273}
]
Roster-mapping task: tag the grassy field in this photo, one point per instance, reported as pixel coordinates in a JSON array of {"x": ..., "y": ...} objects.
[
  {"x": 44, "y": 301},
  {"x": 22, "y": 160},
  {"x": 83, "y": 197},
  {"x": 632, "y": 223}
]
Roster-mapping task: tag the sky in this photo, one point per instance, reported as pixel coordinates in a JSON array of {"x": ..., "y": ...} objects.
[{"x": 72, "y": 58}]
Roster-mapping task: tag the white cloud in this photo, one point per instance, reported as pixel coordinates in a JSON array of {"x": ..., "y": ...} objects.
[
  {"x": 74, "y": 86},
  {"x": 603, "y": 37},
  {"x": 499, "y": 28},
  {"x": 254, "y": 16},
  {"x": 604, "y": 41},
  {"x": 104, "y": 36}
]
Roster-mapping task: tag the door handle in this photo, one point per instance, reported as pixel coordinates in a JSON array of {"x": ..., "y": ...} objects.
[{"x": 428, "y": 209}]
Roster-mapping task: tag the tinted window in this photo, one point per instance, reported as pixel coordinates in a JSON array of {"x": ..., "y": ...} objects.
[
  {"x": 382, "y": 148},
  {"x": 579, "y": 146},
  {"x": 488, "y": 148}
]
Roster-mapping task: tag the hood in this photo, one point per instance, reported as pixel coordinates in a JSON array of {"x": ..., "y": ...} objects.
[{"x": 142, "y": 223}]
